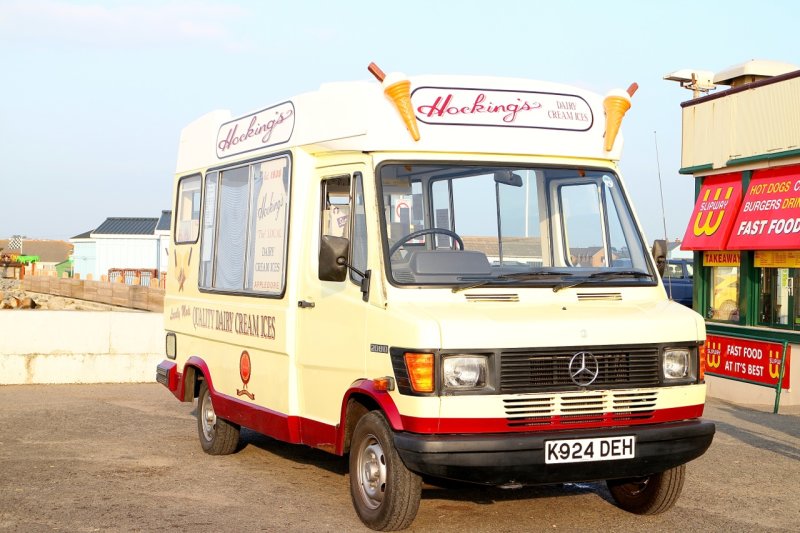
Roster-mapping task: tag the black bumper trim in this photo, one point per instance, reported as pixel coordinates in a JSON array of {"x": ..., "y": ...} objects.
[{"x": 498, "y": 459}]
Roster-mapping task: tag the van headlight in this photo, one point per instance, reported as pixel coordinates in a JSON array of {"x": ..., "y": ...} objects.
[
  {"x": 678, "y": 365},
  {"x": 461, "y": 372}
]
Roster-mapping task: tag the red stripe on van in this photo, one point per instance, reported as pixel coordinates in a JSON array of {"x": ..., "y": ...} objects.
[{"x": 505, "y": 425}]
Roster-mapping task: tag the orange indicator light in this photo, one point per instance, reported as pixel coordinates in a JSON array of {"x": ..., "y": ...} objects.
[
  {"x": 420, "y": 371},
  {"x": 382, "y": 384},
  {"x": 702, "y": 365}
]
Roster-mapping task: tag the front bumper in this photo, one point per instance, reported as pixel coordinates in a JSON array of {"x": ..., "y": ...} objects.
[{"x": 500, "y": 459}]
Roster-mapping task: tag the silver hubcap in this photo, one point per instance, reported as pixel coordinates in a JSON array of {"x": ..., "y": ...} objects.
[
  {"x": 372, "y": 472},
  {"x": 208, "y": 417}
]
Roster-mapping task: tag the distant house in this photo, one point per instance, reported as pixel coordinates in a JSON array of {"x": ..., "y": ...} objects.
[
  {"x": 674, "y": 251},
  {"x": 593, "y": 256},
  {"x": 163, "y": 232},
  {"x": 519, "y": 250},
  {"x": 50, "y": 252},
  {"x": 123, "y": 243},
  {"x": 84, "y": 255}
]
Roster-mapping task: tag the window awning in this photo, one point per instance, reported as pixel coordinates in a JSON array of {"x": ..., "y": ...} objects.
[
  {"x": 713, "y": 217},
  {"x": 769, "y": 218}
]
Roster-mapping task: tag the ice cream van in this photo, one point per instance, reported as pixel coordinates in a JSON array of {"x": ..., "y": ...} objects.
[{"x": 439, "y": 277}]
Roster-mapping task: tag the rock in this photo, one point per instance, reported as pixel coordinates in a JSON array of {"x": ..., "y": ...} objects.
[{"x": 27, "y": 303}]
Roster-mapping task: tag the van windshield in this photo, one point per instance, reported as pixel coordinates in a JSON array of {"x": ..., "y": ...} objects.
[{"x": 472, "y": 225}]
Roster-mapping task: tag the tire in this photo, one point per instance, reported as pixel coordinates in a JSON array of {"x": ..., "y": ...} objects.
[
  {"x": 217, "y": 436},
  {"x": 385, "y": 493},
  {"x": 653, "y": 494}
]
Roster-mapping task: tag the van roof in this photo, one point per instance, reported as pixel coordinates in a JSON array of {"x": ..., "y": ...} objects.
[{"x": 454, "y": 114}]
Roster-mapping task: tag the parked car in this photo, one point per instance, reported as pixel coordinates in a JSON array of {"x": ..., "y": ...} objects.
[{"x": 679, "y": 280}]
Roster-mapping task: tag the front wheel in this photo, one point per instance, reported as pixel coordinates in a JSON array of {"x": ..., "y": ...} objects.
[
  {"x": 385, "y": 493},
  {"x": 652, "y": 494},
  {"x": 217, "y": 436}
]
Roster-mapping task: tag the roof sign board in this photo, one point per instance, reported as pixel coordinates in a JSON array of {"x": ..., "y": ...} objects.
[
  {"x": 491, "y": 107},
  {"x": 268, "y": 127},
  {"x": 712, "y": 219}
]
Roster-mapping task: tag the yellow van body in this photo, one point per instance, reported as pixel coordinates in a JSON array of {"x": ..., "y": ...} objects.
[{"x": 335, "y": 283}]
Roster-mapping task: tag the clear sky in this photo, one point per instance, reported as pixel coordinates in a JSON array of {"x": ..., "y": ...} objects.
[{"x": 94, "y": 93}]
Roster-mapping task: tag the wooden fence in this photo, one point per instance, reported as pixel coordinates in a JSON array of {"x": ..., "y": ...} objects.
[{"x": 107, "y": 292}]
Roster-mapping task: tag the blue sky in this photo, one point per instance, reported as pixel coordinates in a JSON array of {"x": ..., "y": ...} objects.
[{"x": 94, "y": 93}]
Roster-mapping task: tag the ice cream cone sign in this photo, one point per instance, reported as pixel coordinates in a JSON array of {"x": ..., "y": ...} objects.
[
  {"x": 397, "y": 88},
  {"x": 616, "y": 104}
]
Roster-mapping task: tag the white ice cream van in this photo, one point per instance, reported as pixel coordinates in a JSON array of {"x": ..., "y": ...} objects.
[{"x": 440, "y": 277}]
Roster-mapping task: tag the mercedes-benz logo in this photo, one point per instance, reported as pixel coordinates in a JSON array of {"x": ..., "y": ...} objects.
[{"x": 583, "y": 369}]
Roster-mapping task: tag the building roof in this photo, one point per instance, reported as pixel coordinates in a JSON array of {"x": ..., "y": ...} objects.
[
  {"x": 127, "y": 226},
  {"x": 84, "y": 235},
  {"x": 164, "y": 221},
  {"x": 754, "y": 68},
  {"x": 49, "y": 251}
]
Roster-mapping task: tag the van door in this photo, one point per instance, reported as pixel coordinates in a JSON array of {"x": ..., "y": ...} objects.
[{"x": 331, "y": 315}]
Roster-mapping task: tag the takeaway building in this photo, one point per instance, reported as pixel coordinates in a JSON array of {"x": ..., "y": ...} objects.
[{"x": 742, "y": 147}]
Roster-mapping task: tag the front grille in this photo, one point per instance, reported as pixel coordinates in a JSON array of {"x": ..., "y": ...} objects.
[
  {"x": 599, "y": 296},
  {"x": 590, "y": 408},
  {"x": 542, "y": 370}
]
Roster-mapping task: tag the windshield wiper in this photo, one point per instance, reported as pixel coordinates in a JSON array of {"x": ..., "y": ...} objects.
[
  {"x": 600, "y": 276},
  {"x": 512, "y": 277}
]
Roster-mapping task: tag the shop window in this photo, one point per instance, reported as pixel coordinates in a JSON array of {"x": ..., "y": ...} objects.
[
  {"x": 724, "y": 301},
  {"x": 777, "y": 306}
]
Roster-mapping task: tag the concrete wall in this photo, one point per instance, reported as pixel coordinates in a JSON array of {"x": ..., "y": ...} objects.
[{"x": 39, "y": 346}]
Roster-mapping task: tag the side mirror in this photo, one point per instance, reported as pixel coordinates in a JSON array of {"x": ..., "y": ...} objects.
[
  {"x": 333, "y": 258},
  {"x": 660, "y": 255}
]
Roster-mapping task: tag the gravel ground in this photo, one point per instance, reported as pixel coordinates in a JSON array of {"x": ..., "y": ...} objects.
[{"x": 83, "y": 458}]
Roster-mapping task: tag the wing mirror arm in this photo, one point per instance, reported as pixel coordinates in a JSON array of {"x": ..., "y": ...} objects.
[{"x": 365, "y": 276}]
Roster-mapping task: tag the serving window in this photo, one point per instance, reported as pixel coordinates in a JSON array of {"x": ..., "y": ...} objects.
[
  {"x": 245, "y": 227},
  {"x": 724, "y": 297},
  {"x": 778, "y": 275}
]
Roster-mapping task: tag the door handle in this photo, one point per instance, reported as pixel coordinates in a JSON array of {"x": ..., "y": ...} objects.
[{"x": 302, "y": 304}]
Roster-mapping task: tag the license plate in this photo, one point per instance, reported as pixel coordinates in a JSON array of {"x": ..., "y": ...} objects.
[{"x": 585, "y": 450}]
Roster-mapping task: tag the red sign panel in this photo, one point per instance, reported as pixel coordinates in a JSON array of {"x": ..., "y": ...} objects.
[
  {"x": 712, "y": 219},
  {"x": 748, "y": 360},
  {"x": 769, "y": 218}
]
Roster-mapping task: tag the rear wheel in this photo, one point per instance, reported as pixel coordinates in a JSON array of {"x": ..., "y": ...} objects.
[
  {"x": 217, "y": 436},
  {"x": 385, "y": 493},
  {"x": 648, "y": 495}
]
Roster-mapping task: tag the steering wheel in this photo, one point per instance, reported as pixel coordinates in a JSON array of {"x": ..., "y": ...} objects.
[{"x": 413, "y": 235}]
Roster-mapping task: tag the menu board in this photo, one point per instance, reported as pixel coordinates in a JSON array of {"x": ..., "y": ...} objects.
[{"x": 267, "y": 255}]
